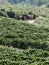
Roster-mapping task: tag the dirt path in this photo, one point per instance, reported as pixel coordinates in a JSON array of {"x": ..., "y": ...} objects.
[
  {"x": 40, "y": 17},
  {"x": 30, "y": 21},
  {"x": 17, "y": 49}
]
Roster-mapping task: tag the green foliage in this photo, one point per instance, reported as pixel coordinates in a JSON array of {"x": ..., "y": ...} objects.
[
  {"x": 13, "y": 11},
  {"x": 11, "y": 56},
  {"x": 22, "y": 35},
  {"x": 31, "y": 39},
  {"x": 11, "y": 14}
]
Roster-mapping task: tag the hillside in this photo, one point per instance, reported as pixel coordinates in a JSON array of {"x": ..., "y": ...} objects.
[
  {"x": 24, "y": 41},
  {"x": 13, "y": 56}
]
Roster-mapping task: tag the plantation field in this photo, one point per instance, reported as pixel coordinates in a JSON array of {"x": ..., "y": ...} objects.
[
  {"x": 24, "y": 42},
  {"x": 22, "y": 35},
  {"x": 12, "y": 56},
  {"x": 20, "y": 9}
]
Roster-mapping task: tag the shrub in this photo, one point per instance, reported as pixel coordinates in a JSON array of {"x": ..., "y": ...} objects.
[{"x": 11, "y": 14}]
